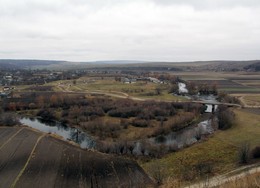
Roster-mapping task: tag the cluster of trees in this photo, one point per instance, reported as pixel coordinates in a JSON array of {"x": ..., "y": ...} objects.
[
  {"x": 79, "y": 110},
  {"x": 8, "y": 119},
  {"x": 105, "y": 118},
  {"x": 102, "y": 129},
  {"x": 224, "y": 97},
  {"x": 203, "y": 89},
  {"x": 226, "y": 117},
  {"x": 175, "y": 123},
  {"x": 136, "y": 148}
]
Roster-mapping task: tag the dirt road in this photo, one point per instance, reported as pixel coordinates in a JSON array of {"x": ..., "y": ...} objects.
[{"x": 231, "y": 176}]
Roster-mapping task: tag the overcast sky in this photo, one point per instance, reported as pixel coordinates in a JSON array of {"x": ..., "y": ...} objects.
[{"x": 152, "y": 30}]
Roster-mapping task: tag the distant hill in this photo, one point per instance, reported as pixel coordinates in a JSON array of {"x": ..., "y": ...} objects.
[
  {"x": 132, "y": 65},
  {"x": 113, "y": 62},
  {"x": 253, "y": 67},
  {"x": 25, "y": 63}
]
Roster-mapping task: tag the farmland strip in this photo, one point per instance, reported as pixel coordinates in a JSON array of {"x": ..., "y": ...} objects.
[
  {"x": 27, "y": 162},
  {"x": 11, "y": 138}
]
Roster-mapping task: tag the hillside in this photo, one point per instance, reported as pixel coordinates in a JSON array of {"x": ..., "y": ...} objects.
[
  {"x": 26, "y": 63},
  {"x": 33, "y": 159}
]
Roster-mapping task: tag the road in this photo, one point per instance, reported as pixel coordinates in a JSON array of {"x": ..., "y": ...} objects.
[{"x": 228, "y": 177}]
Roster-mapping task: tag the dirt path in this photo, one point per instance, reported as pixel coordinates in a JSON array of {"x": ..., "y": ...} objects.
[
  {"x": 241, "y": 98},
  {"x": 123, "y": 95},
  {"x": 244, "y": 104},
  {"x": 230, "y": 176}
]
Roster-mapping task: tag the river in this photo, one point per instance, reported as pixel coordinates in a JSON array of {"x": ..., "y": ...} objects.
[
  {"x": 67, "y": 133},
  {"x": 205, "y": 98}
]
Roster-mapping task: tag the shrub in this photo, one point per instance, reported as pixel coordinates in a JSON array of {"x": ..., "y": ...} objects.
[
  {"x": 46, "y": 114},
  {"x": 256, "y": 152},
  {"x": 226, "y": 117},
  {"x": 158, "y": 172},
  {"x": 140, "y": 123},
  {"x": 243, "y": 153},
  {"x": 160, "y": 139},
  {"x": 9, "y": 119}
]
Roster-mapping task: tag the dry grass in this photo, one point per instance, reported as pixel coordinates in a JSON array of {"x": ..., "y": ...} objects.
[
  {"x": 140, "y": 89},
  {"x": 252, "y": 100},
  {"x": 249, "y": 181}
]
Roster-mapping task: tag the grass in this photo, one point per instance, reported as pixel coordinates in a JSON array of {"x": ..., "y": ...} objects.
[
  {"x": 220, "y": 150},
  {"x": 250, "y": 180},
  {"x": 222, "y": 155},
  {"x": 252, "y": 100},
  {"x": 143, "y": 90},
  {"x": 246, "y": 129}
]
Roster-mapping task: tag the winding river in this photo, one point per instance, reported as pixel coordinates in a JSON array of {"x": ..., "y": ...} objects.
[
  {"x": 180, "y": 139},
  {"x": 67, "y": 133}
]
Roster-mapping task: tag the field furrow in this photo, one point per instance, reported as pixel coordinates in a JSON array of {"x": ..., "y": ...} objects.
[{"x": 14, "y": 156}]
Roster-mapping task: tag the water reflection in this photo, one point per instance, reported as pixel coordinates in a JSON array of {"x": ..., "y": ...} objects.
[
  {"x": 187, "y": 136},
  {"x": 67, "y": 133}
]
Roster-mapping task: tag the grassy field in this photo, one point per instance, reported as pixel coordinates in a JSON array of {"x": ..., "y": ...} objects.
[
  {"x": 253, "y": 100},
  {"x": 220, "y": 151},
  {"x": 142, "y": 90}
]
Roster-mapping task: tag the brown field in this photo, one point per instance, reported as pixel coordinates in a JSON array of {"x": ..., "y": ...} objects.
[
  {"x": 221, "y": 84},
  {"x": 250, "y": 83},
  {"x": 230, "y": 82},
  {"x": 33, "y": 159}
]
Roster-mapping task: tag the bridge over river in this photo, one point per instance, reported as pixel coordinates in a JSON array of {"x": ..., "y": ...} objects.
[{"x": 217, "y": 103}]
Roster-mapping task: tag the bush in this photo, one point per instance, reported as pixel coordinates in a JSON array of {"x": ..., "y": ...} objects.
[
  {"x": 140, "y": 123},
  {"x": 158, "y": 172},
  {"x": 160, "y": 139},
  {"x": 9, "y": 119},
  {"x": 256, "y": 152},
  {"x": 46, "y": 114},
  {"x": 243, "y": 153},
  {"x": 125, "y": 112},
  {"x": 226, "y": 117}
]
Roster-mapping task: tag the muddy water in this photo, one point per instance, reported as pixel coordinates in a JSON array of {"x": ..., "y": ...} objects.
[{"x": 67, "y": 133}]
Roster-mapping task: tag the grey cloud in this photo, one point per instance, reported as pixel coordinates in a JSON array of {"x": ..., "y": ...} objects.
[
  {"x": 84, "y": 30},
  {"x": 202, "y": 4}
]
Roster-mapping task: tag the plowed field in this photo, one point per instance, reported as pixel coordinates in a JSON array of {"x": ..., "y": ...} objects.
[{"x": 34, "y": 159}]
